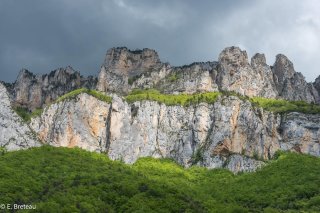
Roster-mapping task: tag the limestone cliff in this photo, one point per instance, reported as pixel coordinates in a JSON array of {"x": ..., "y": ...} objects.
[
  {"x": 14, "y": 133},
  {"x": 34, "y": 91},
  {"x": 122, "y": 64},
  {"x": 291, "y": 85},
  {"x": 230, "y": 133},
  {"x": 125, "y": 70},
  {"x": 234, "y": 73},
  {"x": 316, "y": 84},
  {"x": 81, "y": 122}
]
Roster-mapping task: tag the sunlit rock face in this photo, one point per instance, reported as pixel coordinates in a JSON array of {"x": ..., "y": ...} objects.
[
  {"x": 230, "y": 133},
  {"x": 80, "y": 122}
]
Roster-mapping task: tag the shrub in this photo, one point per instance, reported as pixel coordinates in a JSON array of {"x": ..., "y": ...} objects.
[
  {"x": 281, "y": 106},
  {"x": 37, "y": 112},
  {"x": 3, "y": 150},
  {"x": 173, "y": 77},
  {"x": 170, "y": 99},
  {"x": 24, "y": 113},
  {"x": 94, "y": 93}
]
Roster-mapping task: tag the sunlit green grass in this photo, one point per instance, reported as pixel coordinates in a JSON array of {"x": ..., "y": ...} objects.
[
  {"x": 170, "y": 99},
  {"x": 280, "y": 105},
  {"x": 273, "y": 105},
  {"x": 99, "y": 95}
]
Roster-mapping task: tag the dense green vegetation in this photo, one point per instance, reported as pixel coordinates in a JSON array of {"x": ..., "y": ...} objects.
[
  {"x": 26, "y": 114},
  {"x": 169, "y": 99},
  {"x": 274, "y": 105},
  {"x": 94, "y": 93},
  {"x": 280, "y": 105},
  {"x": 74, "y": 180}
]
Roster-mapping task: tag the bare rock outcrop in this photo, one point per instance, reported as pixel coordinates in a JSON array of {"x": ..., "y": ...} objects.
[
  {"x": 316, "y": 84},
  {"x": 193, "y": 78},
  {"x": 80, "y": 122},
  {"x": 301, "y": 132},
  {"x": 229, "y": 133},
  {"x": 234, "y": 73},
  {"x": 34, "y": 91},
  {"x": 291, "y": 85},
  {"x": 121, "y": 64},
  {"x": 14, "y": 133}
]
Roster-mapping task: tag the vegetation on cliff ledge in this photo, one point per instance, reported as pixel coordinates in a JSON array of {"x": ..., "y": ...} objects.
[
  {"x": 171, "y": 99},
  {"x": 26, "y": 114},
  {"x": 74, "y": 180},
  {"x": 99, "y": 95},
  {"x": 280, "y": 105},
  {"x": 274, "y": 105}
]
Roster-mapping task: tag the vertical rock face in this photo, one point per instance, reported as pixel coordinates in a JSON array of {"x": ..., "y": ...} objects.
[
  {"x": 81, "y": 122},
  {"x": 301, "y": 133},
  {"x": 33, "y": 91},
  {"x": 122, "y": 60},
  {"x": 234, "y": 73},
  {"x": 124, "y": 70},
  {"x": 316, "y": 84},
  {"x": 193, "y": 78},
  {"x": 291, "y": 85},
  {"x": 230, "y": 133},
  {"x": 208, "y": 135},
  {"x": 14, "y": 134},
  {"x": 121, "y": 64}
]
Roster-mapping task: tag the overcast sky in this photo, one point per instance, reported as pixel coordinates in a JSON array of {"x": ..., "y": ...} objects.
[{"x": 44, "y": 35}]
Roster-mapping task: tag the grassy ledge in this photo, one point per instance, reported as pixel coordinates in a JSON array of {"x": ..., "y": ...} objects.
[
  {"x": 273, "y": 105},
  {"x": 100, "y": 96},
  {"x": 170, "y": 100},
  {"x": 282, "y": 106}
]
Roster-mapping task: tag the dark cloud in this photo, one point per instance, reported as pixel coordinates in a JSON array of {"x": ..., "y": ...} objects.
[{"x": 44, "y": 35}]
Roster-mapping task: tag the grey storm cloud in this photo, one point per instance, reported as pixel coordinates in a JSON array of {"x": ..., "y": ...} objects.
[{"x": 44, "y": 35}]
